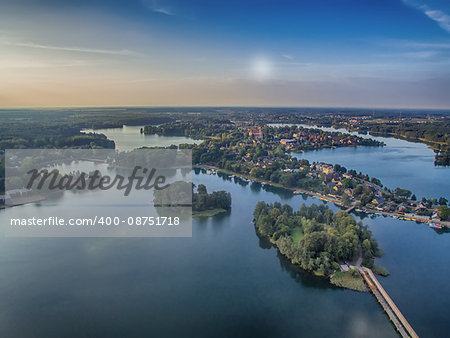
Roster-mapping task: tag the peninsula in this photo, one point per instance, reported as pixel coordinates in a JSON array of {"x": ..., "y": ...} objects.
[{"x": 265, "y": 154}]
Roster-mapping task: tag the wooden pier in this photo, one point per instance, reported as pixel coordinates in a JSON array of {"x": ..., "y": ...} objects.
[
  {"x": 351, "y": 208},
  {"x": 394, "y": 314}
]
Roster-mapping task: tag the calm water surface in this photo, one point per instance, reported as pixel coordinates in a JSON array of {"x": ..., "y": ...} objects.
[
  {"x": 400, "y": 163},
  {"x": 129, "y": 138},
  {"x": 224, "y": 281}
]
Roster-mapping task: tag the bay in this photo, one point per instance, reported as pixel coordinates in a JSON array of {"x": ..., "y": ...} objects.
[
  {"x": 129, "y": 138},
  {"x": 223, "y": 281},
  {"x": 400, "y": 163}
]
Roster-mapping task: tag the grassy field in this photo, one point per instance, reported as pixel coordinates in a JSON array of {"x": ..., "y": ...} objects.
[
  {"x": 207, "y": 213},
  {"x": 349, "y": 280},
  {"x": 379, "y": 270},
  {"x": 296, "y": 234}
]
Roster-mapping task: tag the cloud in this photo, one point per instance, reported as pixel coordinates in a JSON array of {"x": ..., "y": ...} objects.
[
  {"x": 420, "y": 50},
  {"x": 442, "y": 47},
  {"x": 417, "y": 44},
  {"x": 26, "y": 64},
  {"x": 72, "y": 49},
  {"x": 421, "y": 55},
  {"x": 156, "y": 7},
  {"x": 288, "y": 56},
  {"x": 439, "y": 16},
  {"x": 165, "y": 11}
]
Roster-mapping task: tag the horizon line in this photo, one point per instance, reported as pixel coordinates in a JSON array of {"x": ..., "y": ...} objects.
[{"x": 217, "y": 106}]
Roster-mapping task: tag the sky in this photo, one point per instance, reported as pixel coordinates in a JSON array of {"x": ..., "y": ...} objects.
[{"x": 327, "y": 53}]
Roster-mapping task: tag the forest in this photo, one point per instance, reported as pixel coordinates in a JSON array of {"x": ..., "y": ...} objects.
[
  {"x": 186, "y": 193},
  {"x": 61, "y": 128},
  {"x": 436, "y": 134},
  {"x": 202, "y": 200},
  {"x": 197, "y": 129},
  {"x": 314, "y": 237}
]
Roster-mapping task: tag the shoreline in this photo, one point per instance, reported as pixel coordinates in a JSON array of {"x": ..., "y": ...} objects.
[
  {"x": 403, "y": 217},
  {"x": 208, "y": 212},
  {"x": 348, "y": 282}
]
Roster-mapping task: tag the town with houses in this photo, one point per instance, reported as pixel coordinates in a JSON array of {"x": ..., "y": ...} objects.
[{"x": 265, "y": 148}]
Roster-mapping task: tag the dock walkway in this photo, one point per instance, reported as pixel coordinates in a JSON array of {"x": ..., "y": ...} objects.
[
  {"x": 397, "y": 318},
  {"x": 350, "y": 208}
]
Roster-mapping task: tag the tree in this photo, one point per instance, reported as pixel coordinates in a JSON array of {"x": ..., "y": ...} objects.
[
  {"x": 402, "y": 192},
  {"x": 216, "y": 200},
  {"x": 414, "y": 198},
  {"x": 275, "y": 176},
  {"x": 376, "y": 181},
  {"x": 261, "y": 207},
  {"x": 443, "y": 201},
  {"x": 347, "y": 183},
  {"x": 202, "y": 189},
  {"x": 366, "y": 198},
  {"x": 346, "y": 200},
  {"x": 264, "y": 225},
  {"x": 443, "y": 212},
  {"x": 358, "y": 190}
]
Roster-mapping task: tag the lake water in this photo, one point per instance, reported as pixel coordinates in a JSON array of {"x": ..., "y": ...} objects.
[
  {"x": 400, "y": 163},
  {"x": 224, "y": 281},
  {"x": 129, "y": 138},
  {"x": 221, "y": 282}
]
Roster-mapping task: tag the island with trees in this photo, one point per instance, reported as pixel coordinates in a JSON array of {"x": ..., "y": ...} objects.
[
  {"x": 318, "y": 240},
  {"x": 206, "y": 204},
  {"x": 180, "y": 194}
]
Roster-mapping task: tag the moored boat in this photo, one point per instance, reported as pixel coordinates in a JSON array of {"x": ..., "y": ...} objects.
[{"x": 435, "y": 226}]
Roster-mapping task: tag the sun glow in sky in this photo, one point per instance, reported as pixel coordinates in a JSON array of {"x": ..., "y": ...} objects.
[
  {"x": 374, "y": 53},
  {"x": 261, "y": 68}
]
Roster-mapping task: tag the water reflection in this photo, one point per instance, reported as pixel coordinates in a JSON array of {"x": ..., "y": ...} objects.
[
  {"x": 220, "y": 282},
  {"x": 284, "y": 194},
  {"x": 224, "y": 176},
  {"x": 263, "y": 242},
  {"x": 255, "y": 187},
  {"x": 304, "y": 278}
]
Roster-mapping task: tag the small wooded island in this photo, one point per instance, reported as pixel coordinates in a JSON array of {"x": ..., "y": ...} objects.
[
  {"x": 318, "y": 240},
  {"x": 206, "y": 204}
]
